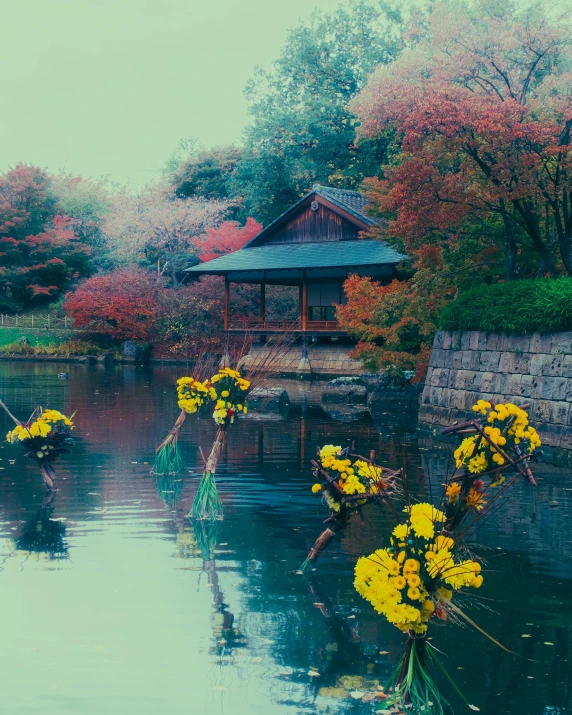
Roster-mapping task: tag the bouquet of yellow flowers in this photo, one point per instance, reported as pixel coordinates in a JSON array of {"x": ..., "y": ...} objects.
[
  {"x": 226, "y": 394},
  {"x": 346, "y": 482},
  {"x": 45, "y": 436},
  {"x": 417, "y": 576}
]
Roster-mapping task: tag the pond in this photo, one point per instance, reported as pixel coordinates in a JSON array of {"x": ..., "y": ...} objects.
[{"x": 109, "y": 604}]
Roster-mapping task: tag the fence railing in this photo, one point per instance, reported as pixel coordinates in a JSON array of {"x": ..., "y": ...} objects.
[{"x": 42, "y": 322}]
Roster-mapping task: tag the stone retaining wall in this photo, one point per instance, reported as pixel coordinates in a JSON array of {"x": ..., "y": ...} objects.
[
  {"x": 324, "y": 360},
  {"x": 535, "y": 368}
]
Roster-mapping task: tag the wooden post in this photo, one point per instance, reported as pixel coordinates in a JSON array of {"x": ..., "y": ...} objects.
[
  {"x": 262, "y": 302},
  {"x": 304, "y": 302},
  {"x": 226, "y": 302}
]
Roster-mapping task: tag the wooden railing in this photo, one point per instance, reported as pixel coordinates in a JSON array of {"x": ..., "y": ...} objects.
[
  {"x": 47, "y": 322},
  {"x": 314, "y": 326}
]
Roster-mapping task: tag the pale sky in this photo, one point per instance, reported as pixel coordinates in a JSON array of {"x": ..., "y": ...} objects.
[{"x": 108, "y": 87}]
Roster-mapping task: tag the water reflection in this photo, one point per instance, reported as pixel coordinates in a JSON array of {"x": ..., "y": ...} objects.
[
  {"x": 42, "y": 536},
  {"x": 150, "y": 615}
]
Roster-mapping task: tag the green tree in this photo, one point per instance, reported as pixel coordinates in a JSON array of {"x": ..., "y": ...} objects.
[
  {"x": 206, "y": 173},
  {"x": 302, "y": 130}
]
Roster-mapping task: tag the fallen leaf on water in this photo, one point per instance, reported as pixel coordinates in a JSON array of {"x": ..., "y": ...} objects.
[
  {"x": 530, "y": 677},
  {"x": 319, "y": 605},
  {"x": 333, "y": 692},
  {"x": 474, "y": 707},
  {"x": 357, "y": 694},
  {"x": 526, "y": 635},
  {"x": 383, "y": 652},
  {"x": 368, "y": 697},
  {"x": 314, "y": 673},
  {"x": 548, "y": 643}
]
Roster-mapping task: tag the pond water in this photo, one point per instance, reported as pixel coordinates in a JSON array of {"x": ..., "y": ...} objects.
[{"x": 111, "y": 603}]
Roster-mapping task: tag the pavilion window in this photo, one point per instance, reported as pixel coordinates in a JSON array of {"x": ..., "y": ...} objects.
[{"x": 322, "y": 299}]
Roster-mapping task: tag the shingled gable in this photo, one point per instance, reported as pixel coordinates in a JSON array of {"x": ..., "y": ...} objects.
[{"x": 348, "y": 205}]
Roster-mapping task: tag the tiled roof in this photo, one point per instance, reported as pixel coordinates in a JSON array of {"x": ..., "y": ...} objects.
[
  {"x": 351, "y": 201},
  {"x": 322, "y": 254}
]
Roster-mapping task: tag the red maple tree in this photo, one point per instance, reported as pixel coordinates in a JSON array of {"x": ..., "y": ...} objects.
[
  {"x": 40, "y": 254},
  {"x": 121, "y": 304},
  {"x": 228, "y": 237}
]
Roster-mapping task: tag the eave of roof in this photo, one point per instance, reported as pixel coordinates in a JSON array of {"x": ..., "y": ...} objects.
[{"x": 288, "y": 256}]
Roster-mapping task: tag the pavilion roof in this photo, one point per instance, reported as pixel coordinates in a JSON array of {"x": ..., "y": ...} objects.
[{"x": 319, "y": 254}]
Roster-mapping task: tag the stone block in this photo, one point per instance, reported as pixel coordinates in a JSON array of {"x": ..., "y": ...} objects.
[
  {"x": 455, "y": 340},
  {"x": 537, "y": 386},
  {"x": 519, "y": 343},
  {"x": 567, "y": 366},
  {"x": 457, "y": 360},
  {"x": 502, "y": 345},
  {"x": 552, "y": 365},
  {"x": 470, "y": 359},
  {"x": 457, "y": 399},
  {"x": 487, "y": 381},
  {"x": 540, "y": 411},
  {"x": 470, "y": 399},
  {"x": 568, "y": 395},
  {"x": 560, "y": 413},
  {"x": 493, "y": 340},
  {"x": 490, "y": 360},
  {"x": 464, "y": 379},
  {"x": 437, "y": 358},
  {"x": 554, "y": 388},
  {"x": 439, "y": 339},
  {"x": 540, "y": 343},
  {"x": 562, "y": 343},
  {"x": 452, "y": 378},
  {"x": 536, "y": 364},
  {"x": 477, "y": 381},
  {"x": 522, "y": 363},
  {"x": 514, "y": 385},
  {"x": 474, "y": 339},
  {"x": 483, "y": 341},
  {"x": 526, "y": 385},
  {"x": 506, "y": 362},
  {"x": 426, "y": 395}
]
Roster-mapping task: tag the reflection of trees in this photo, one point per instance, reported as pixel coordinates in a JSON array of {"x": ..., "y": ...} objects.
[{"x": 42, "y": 535}]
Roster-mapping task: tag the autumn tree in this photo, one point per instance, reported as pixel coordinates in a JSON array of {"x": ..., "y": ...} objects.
[
  {"x": 302, "y": 130},
  {"x": 40, "y": 252},
  {"x": 121, "y": 304},
  {"x": 481, "y": 112},
  {"x": 394, "y": 323},
  {"x": 228, "y": 237},
  {"x": 156, "y": 229}
]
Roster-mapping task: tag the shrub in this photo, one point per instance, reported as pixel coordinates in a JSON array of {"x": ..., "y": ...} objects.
[{"x": 527, "y": 306}]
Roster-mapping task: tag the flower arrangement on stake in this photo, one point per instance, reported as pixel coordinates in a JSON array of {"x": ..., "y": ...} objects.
[
  {"x": 426, "y": 567},
  {"x": 45, "y": 436},
  {"x": 226, "y": 393},
  {"x": 347, "y": 482}
]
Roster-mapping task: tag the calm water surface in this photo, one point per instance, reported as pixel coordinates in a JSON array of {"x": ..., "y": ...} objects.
[{"x": 112, "y": 603}]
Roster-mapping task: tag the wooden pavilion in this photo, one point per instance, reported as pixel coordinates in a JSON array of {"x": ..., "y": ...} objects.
[{"x": 314, "y": 245}]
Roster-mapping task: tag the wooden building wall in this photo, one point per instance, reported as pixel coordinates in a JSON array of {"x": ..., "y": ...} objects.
[{"x": 320, "y": 225}]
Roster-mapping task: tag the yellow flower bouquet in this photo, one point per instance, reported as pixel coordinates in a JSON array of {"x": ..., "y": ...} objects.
[
  {"x": 346, "y": 482},
  {"x": 45, "y": 436}
]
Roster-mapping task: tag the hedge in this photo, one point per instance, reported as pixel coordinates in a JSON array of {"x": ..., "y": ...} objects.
[{"x": 526, "y": 306}]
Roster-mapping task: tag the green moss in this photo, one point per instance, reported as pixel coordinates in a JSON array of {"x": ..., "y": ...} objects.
[{"x": 527, "y": 306}]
